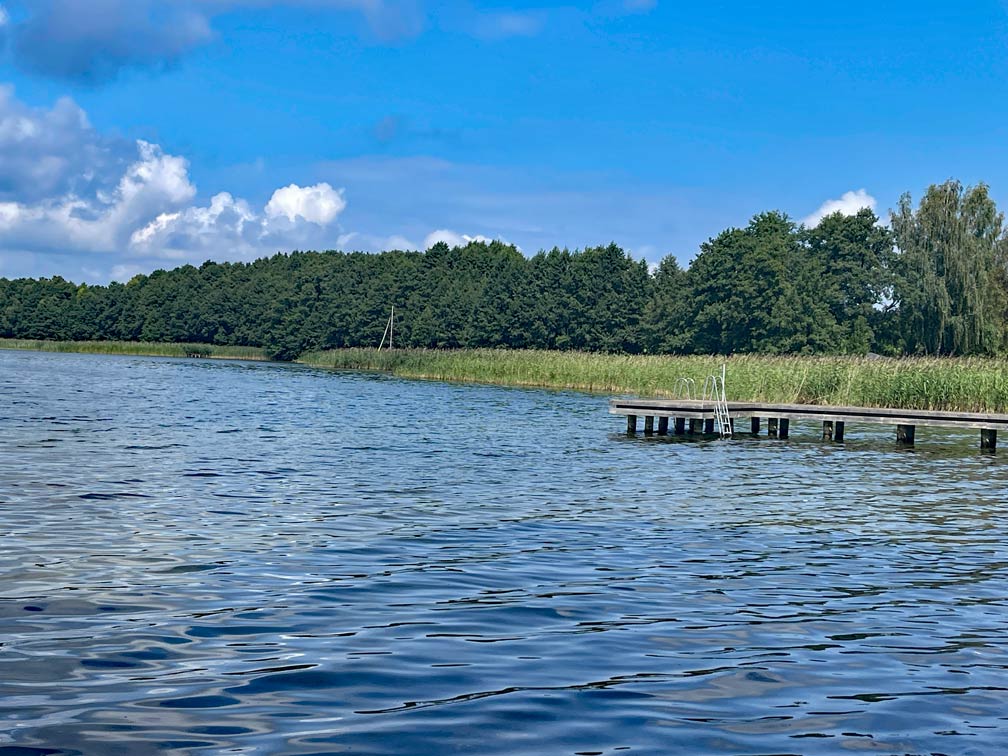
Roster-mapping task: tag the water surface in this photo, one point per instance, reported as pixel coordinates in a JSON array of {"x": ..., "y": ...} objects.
[{"x": 201, "y": 556}]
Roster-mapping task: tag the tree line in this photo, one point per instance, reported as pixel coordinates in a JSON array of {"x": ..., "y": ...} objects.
[{"x": 934, "y": 281}]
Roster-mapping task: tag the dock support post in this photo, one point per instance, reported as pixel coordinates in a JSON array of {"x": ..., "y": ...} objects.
[
  {"x": 785, "y": 425},
  {"x": 692, "y": 425},
  {"x": 838, "y": 430},
  {"x": 771, "y": 427},
  {"x": 631, "y": 425},
  {"x": 988, "y": 439},
  {"x": 708, "y": 425},
  {"x": 905, "y": 434},
  {"x": 649, "y": 425},
  {"x": 754, "y": 425},
  {"x": 827, "y": 430},
  {"x": 680, "y": 425},
  {"x": 662, "y": 426}
]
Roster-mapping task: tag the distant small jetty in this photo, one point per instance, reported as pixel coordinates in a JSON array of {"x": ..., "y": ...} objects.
[{"x": 691, "y": 416}]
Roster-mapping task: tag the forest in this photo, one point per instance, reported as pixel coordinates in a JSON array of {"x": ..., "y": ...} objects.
[{"x": 933, "y": 281}]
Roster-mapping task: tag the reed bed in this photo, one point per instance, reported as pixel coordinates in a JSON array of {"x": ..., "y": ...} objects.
[
  {"x": 146, "y": 348},
  {"x": 964, "y": 385}
]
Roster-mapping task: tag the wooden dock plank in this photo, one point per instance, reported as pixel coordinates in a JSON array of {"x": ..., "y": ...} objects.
[{"x": 697, "y": 410}]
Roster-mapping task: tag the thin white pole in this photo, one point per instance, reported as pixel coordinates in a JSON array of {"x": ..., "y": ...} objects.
[{"x": 384, "y": 334}]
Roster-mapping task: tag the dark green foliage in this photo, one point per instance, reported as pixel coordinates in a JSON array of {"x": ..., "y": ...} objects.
[
  {"x": 479, "y": 295},
  {"x": 664, "y": 323},
  {"x": 757, "y": 289},
  {"x": 853, "y": 258},
  {"x": 771, "y": 287}
]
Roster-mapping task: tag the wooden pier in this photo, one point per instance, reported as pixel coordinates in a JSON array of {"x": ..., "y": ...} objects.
[{"x": 696, "y": 415}]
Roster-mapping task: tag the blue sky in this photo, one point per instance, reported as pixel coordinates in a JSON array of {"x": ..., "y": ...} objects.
[{"x": 137, "y": 134}]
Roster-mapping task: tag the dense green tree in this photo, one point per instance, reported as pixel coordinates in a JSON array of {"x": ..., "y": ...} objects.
[
  {"x": 853, "y": 255},
  {"x": 664, "y": 321},
  {"x": 949, "y": 270},
  {"x": 755, "y": 290}
]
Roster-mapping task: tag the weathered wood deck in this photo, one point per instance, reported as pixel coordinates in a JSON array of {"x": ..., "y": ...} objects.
[{"x": 778, "y": 417}]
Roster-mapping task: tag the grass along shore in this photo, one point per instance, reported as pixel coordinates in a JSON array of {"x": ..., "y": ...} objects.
[
  {"x": 965, "y": 385},
  {"x": 145, "y": 348}
]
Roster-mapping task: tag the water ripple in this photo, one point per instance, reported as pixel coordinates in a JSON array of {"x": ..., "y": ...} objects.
[{"x": 271, "y": 559}]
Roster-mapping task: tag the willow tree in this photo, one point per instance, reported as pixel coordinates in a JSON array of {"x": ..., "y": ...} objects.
[{"x": 950, "y": 271}]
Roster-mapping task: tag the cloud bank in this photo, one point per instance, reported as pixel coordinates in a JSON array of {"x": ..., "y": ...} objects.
[
  {"x": 848, "y": 204},
  {"x": 110, "y": 207},
  {"x": 67, "y": 189}
]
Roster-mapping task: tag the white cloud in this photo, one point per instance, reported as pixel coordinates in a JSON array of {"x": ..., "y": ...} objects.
[
  {"x": 122, "y": 273},
  {"x": 50, "y": 151},
  {"x": 363, "y": 242},
  {"x": 848, "y": 204},
  {"x": 132, "y": 201},
  {"x": 150, "y": 186},
  {"x": 398, "y": 242},
  {"x": 4, "y": 17},
  {"x": 193, "y": 231},
  {"x": 452, "y": 239},
  {"x": 316, "y": 204}
]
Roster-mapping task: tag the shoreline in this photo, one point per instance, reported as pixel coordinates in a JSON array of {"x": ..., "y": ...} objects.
[
  {"x": 137, "y": 349},
  {"x": 953, "y": 384}
]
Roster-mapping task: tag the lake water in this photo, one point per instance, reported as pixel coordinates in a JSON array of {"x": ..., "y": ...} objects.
[{"x": 203, "y": 556}]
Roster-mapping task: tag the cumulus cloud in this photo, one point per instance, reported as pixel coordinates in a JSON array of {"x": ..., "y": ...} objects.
[
  {"x": 452, "y": 239},
  {"x": 92, "y": 41},
  {"x": 848, "y": 204},
  {"x": 318, "y": 204},
  {"x": 67, "y": 190},
  {"x": 50, "y": 151},
  {"x": 299, "y": 218},
  {"x": 364, "y": 242},
  {"x": 100, "y": 222}
]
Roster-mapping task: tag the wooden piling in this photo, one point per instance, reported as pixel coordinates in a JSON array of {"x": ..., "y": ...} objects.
[
  {"x": 988, "y": 439},
  {"x": 662, "y": 426},
  {"x": 708, "y": 425},
  {"x": 777, "y": 417},
  {"x": 649, "y": 425},
  {"x": 771, "y": 427},
  {"x": 905, "y": 434}
]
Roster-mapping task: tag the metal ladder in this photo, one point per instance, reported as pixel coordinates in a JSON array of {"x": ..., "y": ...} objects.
[{"x": 714, "y": 391}]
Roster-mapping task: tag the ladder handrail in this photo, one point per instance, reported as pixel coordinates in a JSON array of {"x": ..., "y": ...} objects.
[
  {"x": 714, "y": 389},
  {"x": 688, "y": 387}
]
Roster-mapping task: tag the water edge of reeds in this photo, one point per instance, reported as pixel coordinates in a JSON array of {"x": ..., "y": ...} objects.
[
  {"x": 927, "y": 383},
  {"x": 138, "y": 348}
]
